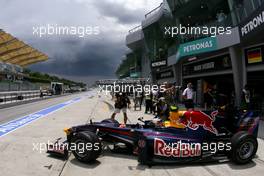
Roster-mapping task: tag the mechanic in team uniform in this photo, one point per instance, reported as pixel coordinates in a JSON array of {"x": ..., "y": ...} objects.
[
  {"x": 162, "y": 109},
  {"x": 149, "y": 103},
  {"x": 122, "y": 103}
]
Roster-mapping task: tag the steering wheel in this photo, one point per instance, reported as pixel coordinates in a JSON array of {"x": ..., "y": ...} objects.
[{"x": 147, "y": 122}]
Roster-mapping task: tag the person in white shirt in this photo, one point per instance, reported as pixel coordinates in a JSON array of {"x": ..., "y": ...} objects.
[{"x": 188, "y": 96}]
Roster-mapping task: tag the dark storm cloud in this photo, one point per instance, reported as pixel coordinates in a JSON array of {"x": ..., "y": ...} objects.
[
  {"x": 96, "y": 59},
  {"x": 119, "y": 12},
  {"x": 85, "y": 59}
]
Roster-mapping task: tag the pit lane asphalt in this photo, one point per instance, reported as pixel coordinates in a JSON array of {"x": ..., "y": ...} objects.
[
  {"x": 19, "y": 158},
  {"x": 14, "y": 112},
  {"x": 17, "y": 148}
]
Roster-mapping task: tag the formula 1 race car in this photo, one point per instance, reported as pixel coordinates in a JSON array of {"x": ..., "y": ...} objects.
[{"x": 207, "y": 136}]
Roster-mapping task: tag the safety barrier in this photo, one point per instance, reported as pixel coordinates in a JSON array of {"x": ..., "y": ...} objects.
[{"x": 18, "y": 96}]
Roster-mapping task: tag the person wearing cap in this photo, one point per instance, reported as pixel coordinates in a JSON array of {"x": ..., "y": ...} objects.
[{"x": 122, "y": 103}]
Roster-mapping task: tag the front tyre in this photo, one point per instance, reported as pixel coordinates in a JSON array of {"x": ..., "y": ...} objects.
[
  {"x": 244, "y": 147},
  {"x": 86, "y": 146}
]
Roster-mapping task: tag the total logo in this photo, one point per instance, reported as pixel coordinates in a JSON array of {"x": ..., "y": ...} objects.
[{"x": 176, "y": 150}]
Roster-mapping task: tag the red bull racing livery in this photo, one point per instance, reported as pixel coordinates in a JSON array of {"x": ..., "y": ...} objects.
[
  {"x": 177, "y": 150},
  {"x": 194, "y": 119},
  {"x": 206, "y": 136}
]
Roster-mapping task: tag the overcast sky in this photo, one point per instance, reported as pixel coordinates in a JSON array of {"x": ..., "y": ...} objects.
[{"x": 81, "y": 59}]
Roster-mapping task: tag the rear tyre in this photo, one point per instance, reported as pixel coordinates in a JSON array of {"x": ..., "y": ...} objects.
[
  {"x": 87, "y": 146},
  {"x": 244, "y": 147}
]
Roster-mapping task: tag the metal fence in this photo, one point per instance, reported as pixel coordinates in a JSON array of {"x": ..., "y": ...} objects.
[
  {"x": 135, "y": 29},
  {"x": 18, "y": 96},
  {"x": 10, "y": 86},
  {"x": 153, "y": 11}
]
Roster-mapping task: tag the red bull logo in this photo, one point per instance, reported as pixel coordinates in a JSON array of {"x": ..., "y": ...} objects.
[
  {"x": 195, "y": 119},
  {"x": 179, "y": 149}
]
